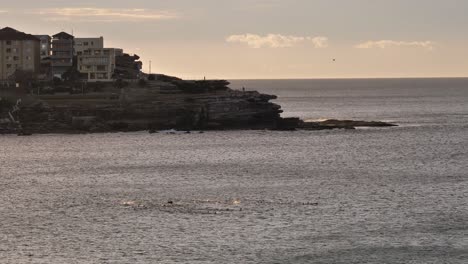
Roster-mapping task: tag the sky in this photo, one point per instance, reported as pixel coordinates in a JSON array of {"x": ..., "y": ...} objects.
[{"x": 266, "y": 39}]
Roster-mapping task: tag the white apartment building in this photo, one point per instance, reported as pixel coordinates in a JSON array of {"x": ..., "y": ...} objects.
[
  {"x": 97, "y": 63},
  {"x": 82, "y": 44}
]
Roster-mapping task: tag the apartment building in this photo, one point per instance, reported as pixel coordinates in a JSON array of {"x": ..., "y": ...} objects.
[
  {"x": 62, "y": 53},
  {"x": 82, "y": 44},
  {"x": 98, "y": 64},
  {"x": 18, "y": 51},
  {"x": 119, "y": 52},
  {"x": 46, "y": 45}
]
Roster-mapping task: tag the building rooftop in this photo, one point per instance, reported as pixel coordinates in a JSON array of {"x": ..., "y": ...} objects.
[
  {"x": 8, "y": 33},
  {"x": 42, "y": 36},
  {"x": 63, "y": 35}
]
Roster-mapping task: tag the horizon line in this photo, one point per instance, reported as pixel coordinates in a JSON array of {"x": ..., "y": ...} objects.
[
  {"x": 352, "y": 78},
  {"x": 321, "y": 78}
]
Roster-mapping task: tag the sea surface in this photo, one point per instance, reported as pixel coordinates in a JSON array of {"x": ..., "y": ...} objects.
[{"x": 393, "y": 195}]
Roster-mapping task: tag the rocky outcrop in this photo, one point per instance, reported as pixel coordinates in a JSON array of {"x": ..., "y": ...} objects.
[
  {"x": 183, "y": 105},
  {"x": 9, "y": 109},
  {"x": 341, "y": 124},
  {"x": 162, "y": 103}
]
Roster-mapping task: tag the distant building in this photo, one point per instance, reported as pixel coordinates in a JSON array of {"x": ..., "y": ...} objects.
[
  {"x": 119, "y": 52},
  {"x": 45, "y": 71},
  {"x": 98, "y": 64},
  {"x": 62, "y": 53},
  {"x": 18, "y": 51},
  {"x": 82, "y": 44},
  {"x": 46, "y": 45}
]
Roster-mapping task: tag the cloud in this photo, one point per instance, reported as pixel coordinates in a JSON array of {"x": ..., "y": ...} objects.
[
  {"x": 103, "y": 14},
  {"x": 382, "y": 44},
  {"x": 319, "y": 42},
  {"x": 276, "y": 41}
]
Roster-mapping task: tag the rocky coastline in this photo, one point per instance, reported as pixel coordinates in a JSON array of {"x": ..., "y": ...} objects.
[{"x": 160, "y": 103}]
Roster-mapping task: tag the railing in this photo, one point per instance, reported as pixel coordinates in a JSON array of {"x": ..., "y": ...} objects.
[
  {"x": 61, "y": 64},
  {"x": 62, "y": 56},
  {"x": 7, "y": 85}
]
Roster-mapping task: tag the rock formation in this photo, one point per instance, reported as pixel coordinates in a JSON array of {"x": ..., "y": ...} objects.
[
  {"x": 341, "y": 124},
  {"x": 163, "y": 102},
  {"x": 158, "y": 105}
]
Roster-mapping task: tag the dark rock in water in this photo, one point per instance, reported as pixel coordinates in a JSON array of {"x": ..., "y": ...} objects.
[
  {"x": 289, "y": 124},
  {"x": 353, "y": 123},
  {"x": 83, "y": 122},
  {"x": 342, "y": 124},
  {"x": 24, "y": 134},
  {"x": 322, "y": 126}
]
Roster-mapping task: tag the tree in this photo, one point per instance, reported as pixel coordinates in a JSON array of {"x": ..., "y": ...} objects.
[
  {"x": 24, "y": 79},
  {"x": 71, "y": 75}
]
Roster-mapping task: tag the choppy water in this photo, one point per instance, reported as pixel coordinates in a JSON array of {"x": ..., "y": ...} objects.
[{"x": 397, "y": 195}]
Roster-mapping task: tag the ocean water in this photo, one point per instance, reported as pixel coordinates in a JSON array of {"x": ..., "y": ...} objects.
[{"x": 394, "y": 195}]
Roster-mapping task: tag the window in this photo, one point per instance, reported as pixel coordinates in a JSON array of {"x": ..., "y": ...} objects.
[
  {"x": 102, "y": 76},
  {"x": 8, "y": 50},
  {"x": 8, "y": 42},
  {"x": 85, "y": 43},
  {"x": 15, "y": 58},
  {"x": 8, "y": 66},
  {"x": 8, "y": 58},
  {"x": 28, "y": 57},
  {"x": 101, "y": 68}
]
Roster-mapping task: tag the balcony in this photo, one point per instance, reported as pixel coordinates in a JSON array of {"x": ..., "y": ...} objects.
[{"x": 61, "y": 63}]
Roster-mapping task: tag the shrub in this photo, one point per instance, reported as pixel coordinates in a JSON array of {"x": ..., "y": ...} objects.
[
  {"x": 57, "y": 81},
  {"x": 142, "y": 83},
  {"x": 6, "y": 103},
  {"x": 119, "y": 84},
  {"x": 189, "y": 100}
]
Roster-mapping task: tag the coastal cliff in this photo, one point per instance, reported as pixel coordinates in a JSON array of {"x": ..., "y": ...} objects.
[
  {"x": 160, "y": 103},
  {"x": 163, "y": 103}
]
